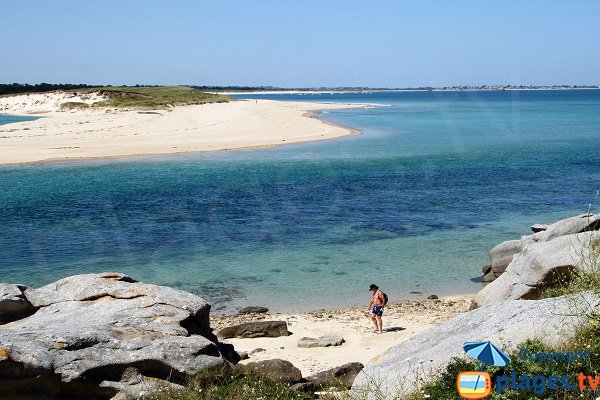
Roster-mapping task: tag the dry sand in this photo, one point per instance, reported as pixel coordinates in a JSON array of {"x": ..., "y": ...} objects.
[
  {"x": 67, "y": 135},
  {"x": 401, "y": 321}
]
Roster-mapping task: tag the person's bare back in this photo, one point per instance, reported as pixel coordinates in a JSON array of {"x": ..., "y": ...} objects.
[{"x": 377, "y": 298}]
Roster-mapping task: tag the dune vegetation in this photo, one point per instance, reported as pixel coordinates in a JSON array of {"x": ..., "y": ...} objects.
[
  {"x": 145, "y": 97},
  {"x": 148, "y": 97}
]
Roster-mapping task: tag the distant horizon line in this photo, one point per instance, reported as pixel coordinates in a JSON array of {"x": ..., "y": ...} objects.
[
  {"x": 270, "y": 88},
  {"x": 245, "y": 89}
]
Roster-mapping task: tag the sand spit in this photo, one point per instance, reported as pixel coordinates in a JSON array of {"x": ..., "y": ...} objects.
[{"x": 108, "y": 133}]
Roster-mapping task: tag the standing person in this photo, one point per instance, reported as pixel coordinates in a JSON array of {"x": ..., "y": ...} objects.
[{"x": 377, "y": 301}]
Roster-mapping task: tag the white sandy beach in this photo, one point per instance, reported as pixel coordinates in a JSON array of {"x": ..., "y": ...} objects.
[
  {"x": 68, "y": 135},
  {"x": 401, "y": 321}
]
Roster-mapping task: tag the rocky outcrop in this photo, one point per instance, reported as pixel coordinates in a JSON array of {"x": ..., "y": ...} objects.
[
  {"x": 321, "y": 341},
  {"x": 537, "y": 266},
  {"x": 255, "y": 330},
  {"x": 403, "y": 368},
  {"x": 340, "y": 377},
  {"x": 504, "y": 253},
  {"x": 85, "y": 333},
  {"x": 276, "y": 369}
]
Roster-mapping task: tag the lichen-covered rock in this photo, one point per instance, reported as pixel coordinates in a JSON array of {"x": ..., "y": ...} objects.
[
  {"x": 90, "y": 328},
  {"x": 403, "y": 368}
]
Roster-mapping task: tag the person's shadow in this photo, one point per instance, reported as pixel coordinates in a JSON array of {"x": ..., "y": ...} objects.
[{"x": 394, "y": 329}]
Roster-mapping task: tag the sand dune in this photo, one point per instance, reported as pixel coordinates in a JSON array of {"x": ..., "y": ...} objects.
[
  {"x": 41, "y": 103},
  {"x": 113, "y": 133}
]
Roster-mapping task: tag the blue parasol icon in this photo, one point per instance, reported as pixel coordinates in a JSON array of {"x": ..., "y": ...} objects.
[{"x": 487, "y": 353}]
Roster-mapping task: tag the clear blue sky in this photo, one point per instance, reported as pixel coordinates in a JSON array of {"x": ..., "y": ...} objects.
[{"x": 301, "y": 42}]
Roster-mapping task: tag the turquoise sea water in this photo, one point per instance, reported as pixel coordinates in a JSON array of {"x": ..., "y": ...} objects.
[
  {"x": 7, "y": 119},
  {"x": 413, "y": 204}
]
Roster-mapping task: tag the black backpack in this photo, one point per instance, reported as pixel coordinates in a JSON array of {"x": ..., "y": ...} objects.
[{"x": 385, "y": 298}]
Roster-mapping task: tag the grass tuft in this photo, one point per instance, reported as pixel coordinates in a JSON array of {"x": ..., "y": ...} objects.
[{"x": 74, "y": 105}]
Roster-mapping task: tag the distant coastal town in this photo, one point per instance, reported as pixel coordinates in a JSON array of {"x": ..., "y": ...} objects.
[
  {"x": 16, "y": 88},
  {"x": 232, "y": 89}
]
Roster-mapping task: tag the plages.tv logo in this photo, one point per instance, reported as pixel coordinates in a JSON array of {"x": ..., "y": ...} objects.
[
  {"x": 474, "y": 385},
  {"x": 478, "y": 384}
]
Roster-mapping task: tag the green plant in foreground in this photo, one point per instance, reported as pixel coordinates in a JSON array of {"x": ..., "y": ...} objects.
[{"x": 226, "y": 383}]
